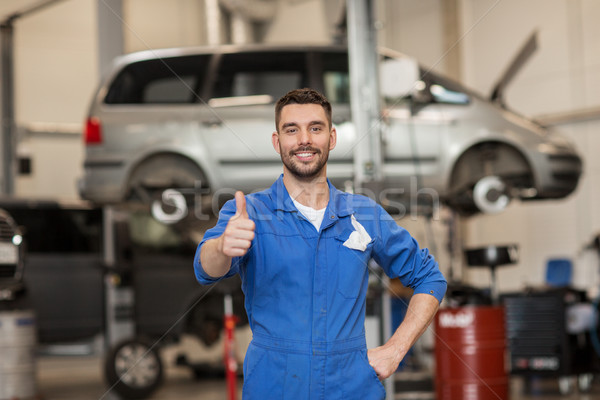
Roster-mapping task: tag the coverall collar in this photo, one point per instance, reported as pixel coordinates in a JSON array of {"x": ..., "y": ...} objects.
[{"x": 339, "y": 204}]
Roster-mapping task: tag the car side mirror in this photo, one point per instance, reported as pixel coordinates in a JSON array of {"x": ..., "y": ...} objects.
[{"x": 398, "y": 77}]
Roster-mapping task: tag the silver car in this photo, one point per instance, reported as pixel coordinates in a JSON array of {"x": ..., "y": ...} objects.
[{"x": 198, "y": 120}]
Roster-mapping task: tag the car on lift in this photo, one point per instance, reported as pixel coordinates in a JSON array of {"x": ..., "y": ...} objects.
[{"x": 198, "y": 120}]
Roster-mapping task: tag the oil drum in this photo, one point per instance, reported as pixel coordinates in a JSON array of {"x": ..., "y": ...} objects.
[
  {"x": 17, "y": 355},
  {"x": 470, "y": 354}
]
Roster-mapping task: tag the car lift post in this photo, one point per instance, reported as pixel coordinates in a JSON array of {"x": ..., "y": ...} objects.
[
  {"x": 366, "y": 108},
  {"x": 119, "y": 293},
  {"x": 364, "y": 95}
]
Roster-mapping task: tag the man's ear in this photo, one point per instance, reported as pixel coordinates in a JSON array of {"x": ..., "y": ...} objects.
[
  {"x": 332, "y": 139},
  {"x": 275, "y": 141}
]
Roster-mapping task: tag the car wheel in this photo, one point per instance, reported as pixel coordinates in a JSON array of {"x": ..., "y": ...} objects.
[
  {"x": 171, "y": 185},
  {"x": 489, "y": 195},
  {"x": 133, "y": 369},
  {"x": 486, "y": 177}
]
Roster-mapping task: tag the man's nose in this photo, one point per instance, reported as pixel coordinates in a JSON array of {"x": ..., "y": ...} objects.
[{"x": 305, "y": 137}]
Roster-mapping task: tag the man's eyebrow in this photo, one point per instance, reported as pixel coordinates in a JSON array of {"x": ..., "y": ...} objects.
[
  {"x": 311, "y": 123},
  {"x": 288, "y": 124}
]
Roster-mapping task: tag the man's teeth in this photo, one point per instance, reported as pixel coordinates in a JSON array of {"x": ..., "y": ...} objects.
[{"x": 304, "y": 154}]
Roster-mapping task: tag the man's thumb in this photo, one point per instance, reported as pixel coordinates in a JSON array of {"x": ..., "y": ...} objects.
[{"x": 240, "y": 205}]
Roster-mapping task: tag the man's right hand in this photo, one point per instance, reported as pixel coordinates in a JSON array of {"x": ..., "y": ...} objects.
[{"x": 239, "y": 233}]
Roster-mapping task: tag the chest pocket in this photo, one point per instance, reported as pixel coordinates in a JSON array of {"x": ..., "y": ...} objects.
[{"x": 352, "y": 266}]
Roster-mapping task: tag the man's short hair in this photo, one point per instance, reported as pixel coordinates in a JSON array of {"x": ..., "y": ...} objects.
[{"x": 302, "y": 96}]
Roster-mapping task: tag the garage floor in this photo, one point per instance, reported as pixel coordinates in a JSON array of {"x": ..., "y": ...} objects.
[{"x": 80, "y": 378}]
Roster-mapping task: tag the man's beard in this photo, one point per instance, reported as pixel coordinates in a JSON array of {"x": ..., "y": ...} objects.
[{"x": 301, "y": 170}]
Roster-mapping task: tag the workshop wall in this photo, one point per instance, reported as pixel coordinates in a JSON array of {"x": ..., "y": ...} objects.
[
  {"x": 55, "y": 62},
  {"x": 155, "y": 24},
  {"x": 55, "y": 70},
  {"x": 563, "y": 75}
]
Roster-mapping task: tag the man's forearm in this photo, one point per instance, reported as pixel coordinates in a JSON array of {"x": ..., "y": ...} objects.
[
  {"x": 385, "y": 359},
  {"x": 421, "y": 310},
  {"x": 214, "y": 262}
]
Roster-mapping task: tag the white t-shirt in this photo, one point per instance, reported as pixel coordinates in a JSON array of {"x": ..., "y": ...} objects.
[{"x": 314, "y": 216}]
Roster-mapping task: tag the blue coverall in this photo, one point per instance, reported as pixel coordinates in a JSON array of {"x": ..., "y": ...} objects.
[{"x": 305, "y": 293}]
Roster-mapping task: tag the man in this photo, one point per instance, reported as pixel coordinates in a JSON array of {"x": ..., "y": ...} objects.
[{"x": 302, "y": 249}]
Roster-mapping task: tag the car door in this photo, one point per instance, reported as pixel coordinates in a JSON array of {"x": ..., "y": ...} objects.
[{"x": 413, "y": 145}]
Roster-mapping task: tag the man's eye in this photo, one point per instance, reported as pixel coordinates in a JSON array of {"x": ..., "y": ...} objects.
[{"x": 316, "y": 129}]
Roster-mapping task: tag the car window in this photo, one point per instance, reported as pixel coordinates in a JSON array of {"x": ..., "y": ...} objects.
[
  {"x": 173, "y": 89},
  {"x": 260, "y": 83},
  {"x": 252, "y": 74},
  {"x": 179, "y": 80},
  {"x": 167, "y": 80}
]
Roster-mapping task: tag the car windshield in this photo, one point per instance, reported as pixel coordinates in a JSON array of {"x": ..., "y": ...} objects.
[
  {"x": 439, "y": 90},
  {"x": 441, "y": 94}
]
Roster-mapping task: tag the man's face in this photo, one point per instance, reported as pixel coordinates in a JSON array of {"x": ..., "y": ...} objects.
[{"x": 304, "y": 140}]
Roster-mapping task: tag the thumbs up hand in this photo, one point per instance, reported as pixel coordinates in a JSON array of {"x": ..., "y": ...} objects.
[{"x": 239, "y": 233}]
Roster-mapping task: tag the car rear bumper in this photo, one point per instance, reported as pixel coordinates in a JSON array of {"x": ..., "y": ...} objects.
[{"x": 102, "y": 182}]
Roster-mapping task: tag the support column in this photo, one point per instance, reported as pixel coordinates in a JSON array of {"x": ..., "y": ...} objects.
[
  {"x": 241, "y": 29},
  {"x": 7, "y": 112},
  {"x": 364, "y": 93},
  {"x": 214, "y": 22},
  {"x": 365, "y": 106},
  {"x": 451, "y": 24},
  {"x": 109, "y": 18},
  {"x": 118, "y": 285}
]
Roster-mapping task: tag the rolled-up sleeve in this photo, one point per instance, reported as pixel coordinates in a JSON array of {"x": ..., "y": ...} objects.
[
  {"x": 399, "y": 254},
  {"x": 227, "y": 211}
]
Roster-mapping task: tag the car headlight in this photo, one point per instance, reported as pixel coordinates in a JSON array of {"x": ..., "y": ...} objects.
[{"x": 17, "y": 240}]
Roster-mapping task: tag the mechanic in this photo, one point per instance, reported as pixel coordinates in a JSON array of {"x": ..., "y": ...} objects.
[{"x": 302, "y": 249}]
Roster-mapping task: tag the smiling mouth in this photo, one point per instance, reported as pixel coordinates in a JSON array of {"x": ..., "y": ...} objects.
[{"x": 305, "y": 154}]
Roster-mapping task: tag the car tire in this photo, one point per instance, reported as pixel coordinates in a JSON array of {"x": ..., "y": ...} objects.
[
  {"x": 172, "y": 186},
  {"x": 133, "y": 369},
  {"x": 485, "y": 168},
  {"x": 152, "y": 176}
]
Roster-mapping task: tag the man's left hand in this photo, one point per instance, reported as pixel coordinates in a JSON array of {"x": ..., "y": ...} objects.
[{"x": 385, "y": 359}]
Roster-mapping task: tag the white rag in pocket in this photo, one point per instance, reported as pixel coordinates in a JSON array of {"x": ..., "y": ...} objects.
[{"x": 359, "y": 239}]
